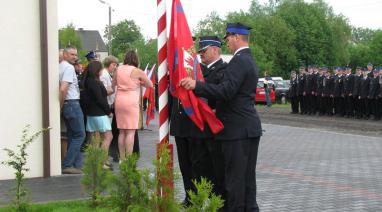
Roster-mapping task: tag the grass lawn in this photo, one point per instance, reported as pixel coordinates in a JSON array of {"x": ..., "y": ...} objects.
[
  {"x": 275, "y": 105},
  {"x": 72, "y": 206}
]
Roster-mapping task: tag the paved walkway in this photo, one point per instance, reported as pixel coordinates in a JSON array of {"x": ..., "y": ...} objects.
[{"x": 298, "y": 170}]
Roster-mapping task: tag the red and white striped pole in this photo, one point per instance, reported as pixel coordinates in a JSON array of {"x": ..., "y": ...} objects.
[
  {"x": 162, "y": 74},
  {"x": 166, "y": 183}
]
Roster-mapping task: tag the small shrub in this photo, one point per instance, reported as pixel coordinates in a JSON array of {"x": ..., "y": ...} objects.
[
  {"x": 163, "y": 196},
  {"x": 17, "y": 160},
  {"x": 204, "y": 200},
  {"x": 130, "y": 188},
  {"x": 96, "y": 178}
]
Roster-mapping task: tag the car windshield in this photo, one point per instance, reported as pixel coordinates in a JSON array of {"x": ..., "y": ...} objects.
[
  {"x": 260, "y": 84},
  {"x": 281, "y": 84}
]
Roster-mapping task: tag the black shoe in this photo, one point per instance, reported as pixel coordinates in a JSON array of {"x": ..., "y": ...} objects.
[{"x": 186, "y": 203}]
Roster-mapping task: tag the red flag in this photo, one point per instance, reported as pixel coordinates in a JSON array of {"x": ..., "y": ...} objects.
[
  {"x": 149, "y": 75},
  {"x": 183, "y": 62},
  {"x": 150, "y": 95}
]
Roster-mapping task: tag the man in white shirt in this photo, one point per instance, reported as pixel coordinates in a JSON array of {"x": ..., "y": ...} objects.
[{"x": 71, "y": 112}]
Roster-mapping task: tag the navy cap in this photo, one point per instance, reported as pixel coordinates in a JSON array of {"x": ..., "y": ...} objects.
[
  {"x": 90, "y": 55},
  {"x": 237, "y": 28},
  {"x": 206, "y": 41},
  {"x": 369, "y": 64}
]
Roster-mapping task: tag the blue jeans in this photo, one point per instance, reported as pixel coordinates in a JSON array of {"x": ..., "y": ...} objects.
[
  {"x": 268, "y": 97},
  {"x": 75, "y": 130}
]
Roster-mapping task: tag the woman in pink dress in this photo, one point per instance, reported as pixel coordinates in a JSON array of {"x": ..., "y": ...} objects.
[{"x": 127, "y": 80}]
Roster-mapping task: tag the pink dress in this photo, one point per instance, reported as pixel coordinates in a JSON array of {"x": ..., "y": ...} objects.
[{"x": 127, "y": 99}]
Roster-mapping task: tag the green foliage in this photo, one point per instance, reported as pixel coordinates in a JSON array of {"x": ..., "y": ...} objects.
[
  {"x": 163, "y": 196},
  {"x": 204, "y": 200},
  {"x": 362, "y": 35},
  {"x": 147, "y": 52},
  {"x": 62, "y": 206},
  {"x": 130, "y": 188},
  {"x": 125, "y": 35},
  {"x": 67, "y": 36},
  {"x": 95, "y": 179},
  {"x": 213, "y": 24},
  {"x": 17, "y": 160},
  {"x": 360, "y": 55},
  {"x": 376, "y": 48}
]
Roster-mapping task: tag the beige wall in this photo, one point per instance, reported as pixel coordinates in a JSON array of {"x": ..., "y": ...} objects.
[{"x": 20, "y": 92}]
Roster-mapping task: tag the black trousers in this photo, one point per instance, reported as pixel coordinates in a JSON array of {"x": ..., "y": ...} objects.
[
  {"x": 301, "y": 101},
  {"x": 378, "y": 109},
  {"x": 294, "y": 104},
  {"x": 357, "y": 107},
  {"x": 194, "y": 161},
  {"x": 349, "y": 105},
  {"x": 339, "y": 106},
  {"x": 365, "y": 109},
  {"x": 240, "y": 158}
]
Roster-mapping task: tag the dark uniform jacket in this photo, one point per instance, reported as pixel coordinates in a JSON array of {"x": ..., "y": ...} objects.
[
  {"x": 348, "y": 85},
  {"x": 181, "y": 125},
  {"x": 309, "y": 84},
  {"x": 320, "y": 86},
  {"x": 235, "y": 98},
  {"x": 301, "y": 84},
  {"x": 374, "y": 88},
  {"x": 338, "y": 83},
  {"x": 364, "y": 88},
  {"x": 327, "y": 86},
  {"x": 293, "y": 88},
  {"x": 357, "y": 85},
  {"x": 380, "y": 87}
]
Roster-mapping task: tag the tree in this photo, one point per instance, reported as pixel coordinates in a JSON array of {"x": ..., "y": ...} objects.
[
  {"x": 376, "y": 48},
  {"x": 68, "y": 37},
  {"x": 125, "y": 35},
  {"x": 147, "y": 52},
  {"x": 362, "y": 35},
  {"x": 360, "y": 55}
]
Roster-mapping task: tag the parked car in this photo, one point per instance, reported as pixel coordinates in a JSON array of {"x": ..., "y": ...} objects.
[
  {"x": 260, "y": 92},
  {"x": 281, "y": 90}
]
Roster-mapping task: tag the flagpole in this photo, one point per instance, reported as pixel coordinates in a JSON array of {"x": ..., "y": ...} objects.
[{"x": 163, "y": 100}]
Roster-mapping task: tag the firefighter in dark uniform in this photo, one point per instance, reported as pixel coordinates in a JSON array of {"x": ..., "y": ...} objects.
[
  {"x": 320, "y": 90},
  {"x": 235, "y": 107},
  {"x": 364, "y": 93},
  {"x": 213, "y": 71},
  {"x": 373, "y": 94},
  {"x": 193, "y": 145},
  {"x": 314, "y": 100},
  {"x": 347, "y": 92},
  {"x": 293, "y": 96},
  {"x": 379, "y": 95},
  {"x": 327, "y": 93},
  {"x": 337, "y": 93},
  {"x": 308, "y": 90},
  {"x": 356, "y": 92},
  {"x": 301, "y": 78}
]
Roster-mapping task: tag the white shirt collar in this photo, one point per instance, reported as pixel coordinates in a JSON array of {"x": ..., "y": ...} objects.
[
  {"x": 239, "y": 49},
  {"x": 209, "y": 65}
]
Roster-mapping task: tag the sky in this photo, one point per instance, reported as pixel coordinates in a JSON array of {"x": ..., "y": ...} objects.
[{"x": 93, "y": 15}]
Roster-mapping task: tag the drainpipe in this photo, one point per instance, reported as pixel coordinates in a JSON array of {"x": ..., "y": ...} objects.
[{"x": 45, "y": 85}]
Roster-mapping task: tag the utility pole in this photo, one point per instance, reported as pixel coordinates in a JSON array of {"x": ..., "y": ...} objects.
[{"x": 109, "y": 27}]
